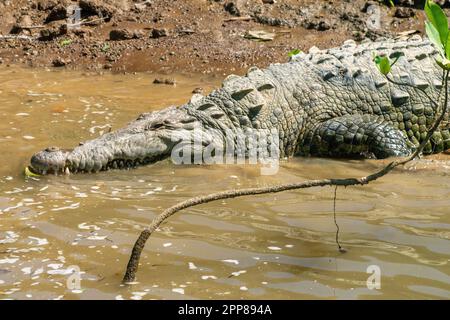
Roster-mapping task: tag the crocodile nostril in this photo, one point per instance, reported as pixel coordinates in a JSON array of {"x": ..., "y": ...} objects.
[{"x": 52, "y": 149}]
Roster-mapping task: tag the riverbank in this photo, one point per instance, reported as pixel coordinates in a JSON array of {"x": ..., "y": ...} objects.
[{"x": 192, "y": 36}]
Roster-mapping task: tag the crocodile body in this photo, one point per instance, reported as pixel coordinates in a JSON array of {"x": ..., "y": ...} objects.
[{"x": 332, "y": 102}]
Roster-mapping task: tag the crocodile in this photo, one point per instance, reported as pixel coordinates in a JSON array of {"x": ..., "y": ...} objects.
[{"x": 330, "y": 103}]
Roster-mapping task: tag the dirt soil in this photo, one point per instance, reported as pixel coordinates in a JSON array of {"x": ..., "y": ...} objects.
[{"x": 207, "y": 36}]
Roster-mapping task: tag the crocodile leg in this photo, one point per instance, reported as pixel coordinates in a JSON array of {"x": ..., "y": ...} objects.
[{"x": 356, "y": 135}]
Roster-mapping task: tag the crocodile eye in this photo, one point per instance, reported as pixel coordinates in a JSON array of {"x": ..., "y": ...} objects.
[{"x": 52, "y": 149}]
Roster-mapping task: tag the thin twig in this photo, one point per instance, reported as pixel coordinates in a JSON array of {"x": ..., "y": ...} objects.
[
  {"x": 246, "y": 18},
  {"x": 335, "y": 221},
  {"x": 13, "y": 36},
  {"x": 133, "y": 263},
  {"x": 85, "y": 21}
]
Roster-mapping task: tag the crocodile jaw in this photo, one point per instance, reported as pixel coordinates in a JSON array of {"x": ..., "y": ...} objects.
[{"x": 50, "y": 160}]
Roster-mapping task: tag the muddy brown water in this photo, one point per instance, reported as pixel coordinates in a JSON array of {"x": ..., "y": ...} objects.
[{"x": 273, "y": 246}]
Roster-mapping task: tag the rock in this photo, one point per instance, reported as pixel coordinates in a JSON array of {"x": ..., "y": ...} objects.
[
  {"x": 184, "y": 32},
  {"x": 369, "y": 4},
  {"x": 259, "y": 35},
  {"x": 404, "y": 13},
  {"x": 120, "y": 34},
  {"x": 25, "y": 21},
  {"x": 60, "y": 62},
  {"x": 20, "y": 26},
  {"x": 274, "y": 22},
  {"x": 158, "y": 33},
  {"x": 140, "y": 6},
  {"x": 232, "y": 8},
  {"x": 45, "y": 5},
  {"x": 138, "y": 34},
  {"x": 7, "y": 18},
  {"x": 321, "y": 25},
  {"x": 358, "y": 35},
  {"x": 98, "y": 8},
  {"x": 123, "y": 5},
  {"x": 168, "y": 81},
  {"x": 16, "y": 29},
  {"x": 81, "y": 32},
  {"x": 58, "y": 12},
  {"x": 54, "y": 30},
  {"x": 407, "y": 3},
  {"x": 198, "y": 90}
]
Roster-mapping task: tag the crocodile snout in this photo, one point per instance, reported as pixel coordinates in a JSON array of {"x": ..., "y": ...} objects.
[{"x": 50, "y": 160}]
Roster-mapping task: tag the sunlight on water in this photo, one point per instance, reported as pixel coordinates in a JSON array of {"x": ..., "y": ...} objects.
[{"x": 272, "y": 246}]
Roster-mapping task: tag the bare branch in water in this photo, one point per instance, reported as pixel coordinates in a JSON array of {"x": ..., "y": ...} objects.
[{"x": 133, "y": 263}]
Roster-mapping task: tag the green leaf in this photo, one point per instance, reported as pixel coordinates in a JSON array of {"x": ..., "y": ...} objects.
[
  {"x": 439, "y": 20},
  {"x": 28, "y": 173},
  {"x": 105, "y": 47},
  {"x": 447, "y": 47},
  {"x": 433, "y": 35},
  {"x": 294, "y": 52},
  {"x": 383, "y": 64},
  {"x": 66, "y": 42},
  {"x": 444, "y": 63},
  {"x": 391, "y": 3}
]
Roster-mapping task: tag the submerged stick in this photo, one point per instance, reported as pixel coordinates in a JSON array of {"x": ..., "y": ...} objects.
[{"x": 133, "y": 263}]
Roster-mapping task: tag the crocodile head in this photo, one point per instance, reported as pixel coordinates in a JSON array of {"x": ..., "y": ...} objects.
[
  {"x": 50, "y": 160},
  {"x": 148, "y": 139}
]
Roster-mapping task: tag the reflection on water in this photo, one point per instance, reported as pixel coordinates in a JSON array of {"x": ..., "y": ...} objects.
[{"x": 272, "y": 246}]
